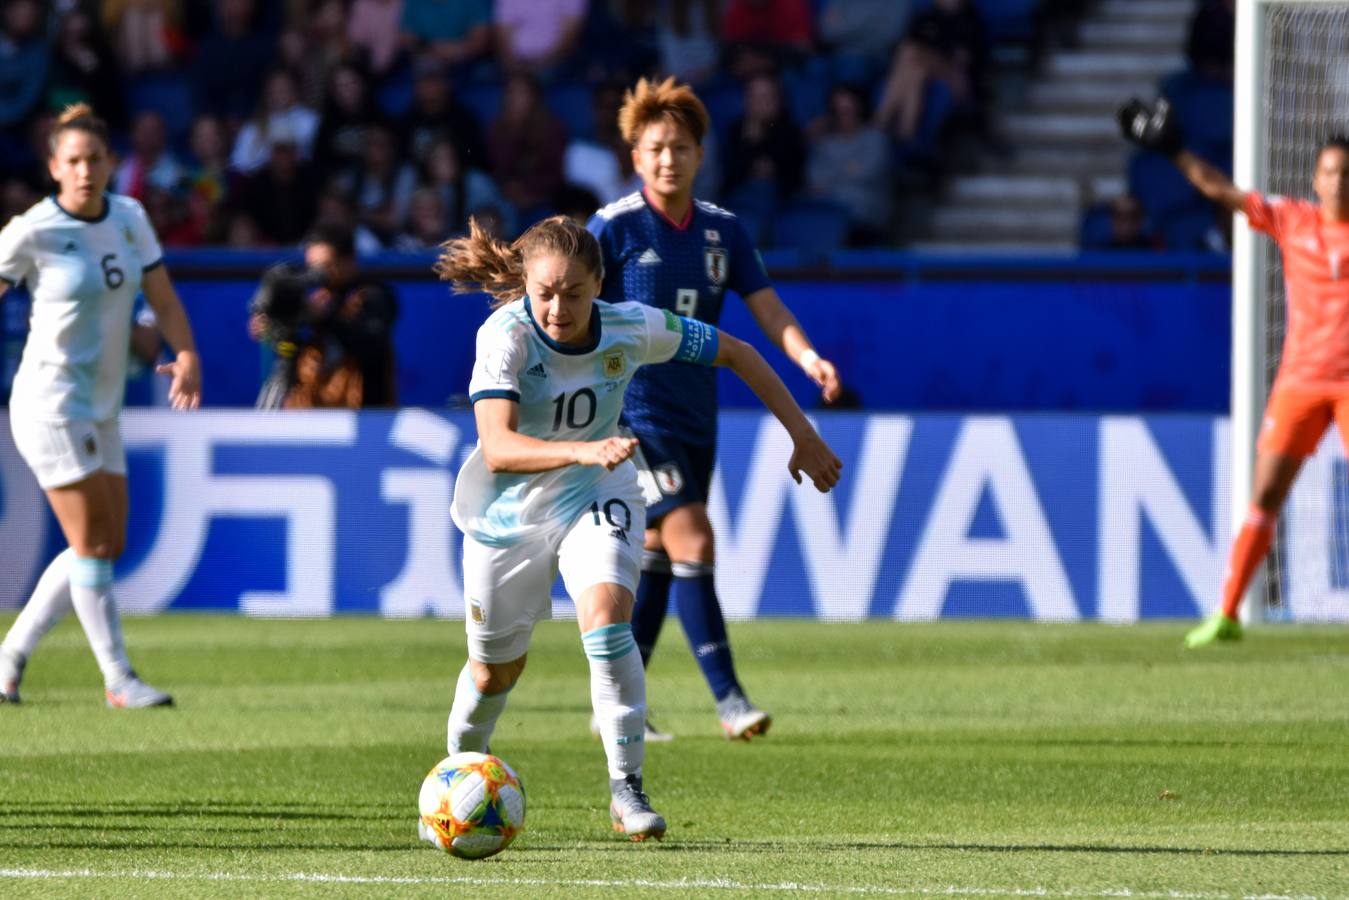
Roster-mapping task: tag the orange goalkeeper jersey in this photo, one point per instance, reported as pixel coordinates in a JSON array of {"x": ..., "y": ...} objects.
[{"x": 1316, "y": 284}]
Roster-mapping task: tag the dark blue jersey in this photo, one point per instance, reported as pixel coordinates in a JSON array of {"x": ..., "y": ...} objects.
[{"x": 685, "y": 268}]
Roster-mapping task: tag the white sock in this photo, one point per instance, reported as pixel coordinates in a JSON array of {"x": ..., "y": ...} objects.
[
  {"x": 91, "y": 595},
  {"x": 618, "y": 695},
  {"x": 48, "y": 605},
  {"x": 473, "y": 715}
]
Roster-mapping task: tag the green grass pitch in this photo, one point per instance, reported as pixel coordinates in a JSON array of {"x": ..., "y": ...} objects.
[{"x": 948, "y": 759}]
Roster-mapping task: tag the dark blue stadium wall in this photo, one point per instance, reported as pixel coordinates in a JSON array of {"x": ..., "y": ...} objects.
[{"x": 1107, "y": 334}]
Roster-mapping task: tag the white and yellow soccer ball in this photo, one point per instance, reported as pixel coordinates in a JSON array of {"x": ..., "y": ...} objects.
[{"x": 471, "y": 805}]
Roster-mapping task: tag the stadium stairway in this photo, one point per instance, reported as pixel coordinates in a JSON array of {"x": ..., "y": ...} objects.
[{"x": 1060, "y": 125}]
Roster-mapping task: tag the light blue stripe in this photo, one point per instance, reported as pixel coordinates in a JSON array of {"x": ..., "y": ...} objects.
[
  {"x": 609, "y": 641},
  {"x": 90, "y": 571}
]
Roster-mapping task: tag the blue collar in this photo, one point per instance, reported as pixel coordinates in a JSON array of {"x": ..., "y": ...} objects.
[
  {"x": 107, "y": 208},
  {"x": 588, "y": 347}
]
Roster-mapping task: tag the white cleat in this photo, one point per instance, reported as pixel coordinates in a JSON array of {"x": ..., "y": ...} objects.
[
  {"x": 631, "y": 811},
  {"x": 11, "y": 673},
  {"x": 740, "y": 719},
  {"x": 132, "y": 693}
]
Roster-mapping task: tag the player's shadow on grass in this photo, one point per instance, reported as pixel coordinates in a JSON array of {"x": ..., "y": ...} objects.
[
  {"x": 705, "y": 846},
  {"x": 202, "y": 810}
]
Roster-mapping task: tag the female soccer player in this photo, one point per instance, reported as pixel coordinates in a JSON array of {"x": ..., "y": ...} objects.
[
  {"x": 1312, "y": 385},
  {"x": 549, "y": 488},
  {"x": 665, "y": 249},
  {"x": 85, "y": 254}
]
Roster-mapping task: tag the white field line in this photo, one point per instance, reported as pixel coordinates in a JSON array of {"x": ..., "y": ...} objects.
[{"x": 679, "y": 885}]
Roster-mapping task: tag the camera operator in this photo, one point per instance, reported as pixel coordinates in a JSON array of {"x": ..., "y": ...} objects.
[{"x": 331, "y": 329}]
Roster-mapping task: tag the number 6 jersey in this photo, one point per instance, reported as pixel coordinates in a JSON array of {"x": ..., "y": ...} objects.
[
  {"x": 83, "y": 275},
  {"x": 565, "y": 394}
]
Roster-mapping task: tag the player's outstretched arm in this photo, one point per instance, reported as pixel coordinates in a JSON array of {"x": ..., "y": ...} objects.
[
  {"x": 505, "y": 449},
  {"x": 810, "y": 453},
  {"x": 185, "y": 370},
  {"x": 1158, "y": 128},
  {"x": 783, "y": 329}
]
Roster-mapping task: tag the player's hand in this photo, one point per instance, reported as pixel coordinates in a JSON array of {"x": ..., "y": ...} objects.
[
  {"x": 1153, "y": 127},
  {"x": 609, "y": 452},
  {"x": 822, "y": 372},
  {"x": 185, "y": 389},
  {"x": 813, "y": 456}
]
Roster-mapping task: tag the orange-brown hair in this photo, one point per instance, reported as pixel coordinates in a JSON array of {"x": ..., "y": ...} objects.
[
  {"x": 651, "y": 102},
  {"x": 480, "y": 262},
  {"x": 78, "y": 117}
]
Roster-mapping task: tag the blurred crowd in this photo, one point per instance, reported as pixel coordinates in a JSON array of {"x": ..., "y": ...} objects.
[{"x": 240, "y": 123}]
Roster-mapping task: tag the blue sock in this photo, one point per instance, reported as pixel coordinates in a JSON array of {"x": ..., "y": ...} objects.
[
  {"x": 653, "y": 601},
  {"x": 695, "y": 597}
]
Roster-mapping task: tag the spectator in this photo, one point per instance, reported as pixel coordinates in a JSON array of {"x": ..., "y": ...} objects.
[
  {"x": 230, "y": 62},
  {"x": 463, "y": 191},
  {"x": 373, "y": 32},
  {"x": 526, "y": 145},
  {"x": 150, "y": 163},
  {"x": 456, "y": 32},
  {"x": 348, "y": 112},
  {"x": 946, "y": 43},
  {"x": 282, "y": 196},
  {"x": 24, "y": 61},
  {"x": 862, "y": 34},
  {"x": 168, "y": 214},
  {"x": 686, "y": 36},
  {"x": 766, "y": 151},
  {"x": 762, "y": 35},
  {"x": 278, "y": 108},
  {"x": 427, "y": 224},
  {"x": 381, "y": 185},
  {"x": 16, "y": 196},
  {"x": 29, "y": 156},
  {"x": 146, "y": 34},
  {"x": 243, "y": 233},
  {"x": 336, "y": 206},
  {"x": 211, "y": 182},
  {"x": 538, "y": 36},
  {"x": 850, "y": 164},
  {"x": 339, "y": 323},
  {"x": 84, "y": 71},
  {"x": 577, "y": 203},
  {"x": 436, "y": 113},
  {"x": 603, "y": 164},
  {"x": 313, "y": 46},
  {"x": 1211, "y": 47},
  {"x": 1128, "y": 225}
]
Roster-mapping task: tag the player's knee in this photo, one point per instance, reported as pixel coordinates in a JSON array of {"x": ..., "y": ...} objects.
[{"x": 493, "y": 678}]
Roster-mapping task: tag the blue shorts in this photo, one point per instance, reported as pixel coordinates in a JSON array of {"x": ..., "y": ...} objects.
[{"x": 672, "y": 473}]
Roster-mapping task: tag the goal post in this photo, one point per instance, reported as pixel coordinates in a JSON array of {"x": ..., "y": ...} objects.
[{"x": 1291, "y": 93}]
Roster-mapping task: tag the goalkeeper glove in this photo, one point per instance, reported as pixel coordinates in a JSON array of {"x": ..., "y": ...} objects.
[{"x": 1152, "y": 128}]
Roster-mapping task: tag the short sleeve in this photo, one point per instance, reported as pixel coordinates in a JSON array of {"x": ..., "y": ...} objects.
[
  {"x": 496, "y": 369},
  {"x": 16, "y": 260},
  {"x": 147, "y": 243},
  {"x": 747, "y": 269},
  {"x": 1263, "y": 213},
  {"x": 678, "y": 339}
]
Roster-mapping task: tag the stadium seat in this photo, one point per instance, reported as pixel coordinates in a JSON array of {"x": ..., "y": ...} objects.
[
  {"x": 725, "y": 102},
  {"x": 170, "y": 95},
  {"x": 1187, "y": 229},
  {"x": 1204, "y": 106},
  {"x": 483, "y": 98},
  {"x": 1095, "y": 230},
  {"x": 938, "y": 105},
  {"x": 394, "y": 97},
  {"x": 1009, "y": 20},
  {"x": 810, "y": 225},
  {"x": 571, "y": 102}
]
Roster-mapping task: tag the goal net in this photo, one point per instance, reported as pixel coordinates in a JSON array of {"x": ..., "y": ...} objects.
[{"x": 1292, "y": 94}]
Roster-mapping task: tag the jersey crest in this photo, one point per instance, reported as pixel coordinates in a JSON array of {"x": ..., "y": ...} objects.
[
  {"x": 615, "y": 364},
  {"x": 717, "y": 269}
]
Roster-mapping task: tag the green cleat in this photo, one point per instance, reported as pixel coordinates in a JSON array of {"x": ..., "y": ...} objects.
[{"x": 1217, "y": 627}]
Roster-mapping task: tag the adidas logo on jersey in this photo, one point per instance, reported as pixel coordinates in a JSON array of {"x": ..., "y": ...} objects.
[
  {"x": 649, "y": 258},
  {"x": 70, "y": 247},
  {"x": 537, "y": 370}
]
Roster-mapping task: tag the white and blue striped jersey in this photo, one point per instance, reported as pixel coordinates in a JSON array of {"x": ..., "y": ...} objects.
[
  {"x": 685, "y": 267},
  {"x": 565, "y": 394},
  {"x": 83, "y": 276}
]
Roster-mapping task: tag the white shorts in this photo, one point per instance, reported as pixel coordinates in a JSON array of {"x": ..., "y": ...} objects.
[
  {"x": 62, "y": 453},
  {"x": 507, "y": 589}
]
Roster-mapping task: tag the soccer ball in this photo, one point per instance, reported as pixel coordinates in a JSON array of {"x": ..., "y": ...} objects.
[{"x": 472, "y": 805}]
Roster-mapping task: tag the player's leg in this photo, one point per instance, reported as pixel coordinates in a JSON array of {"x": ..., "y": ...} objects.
[
  {"x": 687, "y": 534},
  {"x": 506, "y": 590},
  {"x": 653, "y": 591},
  {"x": 1294, "y": 423},
  {"x": 49, "y": 603},
  {"x": 599, "y": 561}
]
